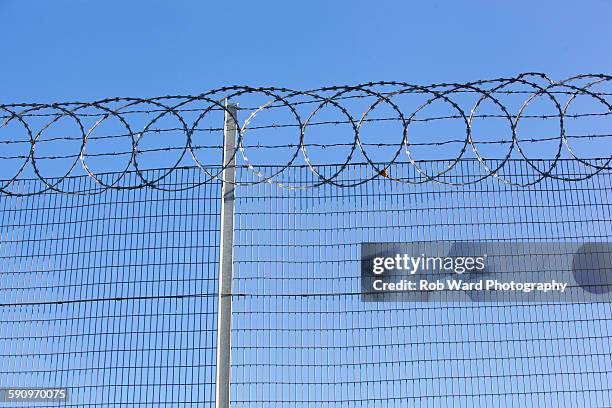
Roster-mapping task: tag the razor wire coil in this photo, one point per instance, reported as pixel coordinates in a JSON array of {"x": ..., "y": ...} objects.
[{"x": 378, "y": 94}]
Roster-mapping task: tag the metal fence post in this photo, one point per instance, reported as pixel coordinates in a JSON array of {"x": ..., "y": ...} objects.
[{"x": 226, "y": 264}]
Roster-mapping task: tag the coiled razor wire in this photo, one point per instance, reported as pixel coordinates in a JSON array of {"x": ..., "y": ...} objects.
[{"x": 193, "y": 113}]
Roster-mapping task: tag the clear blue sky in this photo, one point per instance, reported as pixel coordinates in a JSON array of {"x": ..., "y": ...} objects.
[{"x": 66, "y": 50}]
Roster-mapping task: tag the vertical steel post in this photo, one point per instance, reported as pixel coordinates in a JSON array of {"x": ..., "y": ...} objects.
[{"x": 226, "y": 264}]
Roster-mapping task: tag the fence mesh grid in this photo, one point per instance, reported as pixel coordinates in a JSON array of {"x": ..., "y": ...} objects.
[
  {"x": 114, "y": 296},
  {"x": 303, "y": 337}
]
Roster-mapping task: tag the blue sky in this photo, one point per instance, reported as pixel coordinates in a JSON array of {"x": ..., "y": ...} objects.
[{"x": 67, "y": 50}]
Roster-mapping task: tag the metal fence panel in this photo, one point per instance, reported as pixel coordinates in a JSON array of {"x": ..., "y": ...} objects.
[
  {"x": 109, "y": 274},
  {"x": 112, "y": 295},
  {"x": 303, "y": 337}
]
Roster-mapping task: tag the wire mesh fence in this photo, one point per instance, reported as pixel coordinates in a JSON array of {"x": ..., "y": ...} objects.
[
  {"x": 303, "y": 337},
  {"x": 109, "y": 268},
  {"x": 112, "y": 296}
]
